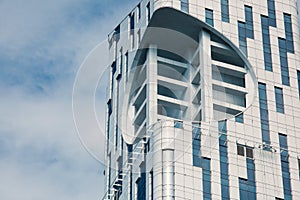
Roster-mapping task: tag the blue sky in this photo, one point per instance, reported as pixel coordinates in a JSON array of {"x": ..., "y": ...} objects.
[{"x": 42, "y": 44}]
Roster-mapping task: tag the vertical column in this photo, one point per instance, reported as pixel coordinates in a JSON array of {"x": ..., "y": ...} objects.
[
  {"x": 152, "y": 85},
  {"x": 206, "y": 74},
  {"x": 168, "y": 174}
]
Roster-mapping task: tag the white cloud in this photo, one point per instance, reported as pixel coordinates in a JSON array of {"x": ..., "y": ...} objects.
[{"x": 42, "y": 44}]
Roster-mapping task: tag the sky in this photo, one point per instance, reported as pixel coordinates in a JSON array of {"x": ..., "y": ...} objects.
[{"x": 42, "y": 46}]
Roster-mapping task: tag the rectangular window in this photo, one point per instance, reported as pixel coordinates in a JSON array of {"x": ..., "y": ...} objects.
[
  {"x": 298, "y": 77},
  {"x": 284, "y": 66},
  {"x": 184, "y": 5},
  {"x": 225, "y": 10},
  {"x": 249, "y": 152},
  {"x": 249, "y": 22},
  {"x": 196, "y": 143},
  {"x": 299, "y": 167},
  {"x": 285, "y": 165},
  {"x": 239, "y": 118},
  {"x": 264, "y": 114},
  {"x": 245, "y": 29},
  {"x": 148, "y": 12},
  {"x": 288, "y": 32},
  {"x": 266, "y": 43},
  {"x": 206, "y": 178},
  {"x": 151, "y": 184},
  {"x": 132, "y": 30},
  {"x": 223, "y": 151},
  {"x": 141, "y": 183},
  {"x": 178, "y": 124},
  {"x": 117, "y": 114},
  {"x": 138, "y": 37},
  {"x": 242, "y": 37},
  {"x": 279, "y": 100},
  {"x": 271, "y": 13},
  {"x": 139, "y": 12},
  {"x": 126, "y": 64},
  {"x": 146, "y": 146},
  {"x": 129, "y": 153},
  {"x": 109, "y": 174},
  {"x": 209, "y": 17},
  {"x": 240, "y": 150},
  {"x": 247, "y": 187}
]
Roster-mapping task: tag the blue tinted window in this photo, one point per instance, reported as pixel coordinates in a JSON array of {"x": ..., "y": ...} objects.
[
  {"x": 248, "y": 186},
  {"x": 178, "y": 124},
  {"x": 264, "y": 116},
  {"x": 271, "y": 13},
  {"x": 249, "y": 22},
  {"x": 209, "y": 18},
  {"x": 185, "y": 5},
  {"x": 132, "y": 22},
  {"x": 206, "y": 178},
  {"x": 288, "y": 32},
  {"x": 284, "y": 157},
  {"x": 245, "y": 29},
  {"x": 298, "y": 77},
  {"x": 222, "y": 126},
  {"x": 266, "y": 43},
  {"x": 279, "y": 100},
  {"x": 283, "y": 62},
  {"x": 299, "y": 166},
  {"x": 225, "y": 10},
  {"x": 141, "y": 183},
  {"x": 196, "y": 146},
  {"x": 286, "y": 45},
  {"x": 223, "y": 151},
  {"x": 240, "y": 118}
]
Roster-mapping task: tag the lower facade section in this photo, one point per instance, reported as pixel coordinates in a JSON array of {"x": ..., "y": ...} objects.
[{"x": 204, "y": 162}]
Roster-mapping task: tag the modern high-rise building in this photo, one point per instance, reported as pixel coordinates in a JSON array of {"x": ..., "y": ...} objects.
[{"x": 204, "y": 101}]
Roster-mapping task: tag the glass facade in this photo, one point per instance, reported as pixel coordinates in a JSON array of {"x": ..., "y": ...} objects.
[{"x": 285, "y": 167}]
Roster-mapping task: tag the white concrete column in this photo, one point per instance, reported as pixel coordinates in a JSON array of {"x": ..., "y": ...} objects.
[
  {"x": 206, "y": 76},
  {"x": 152, "y": 85},
  {"x": 168, "y": 174}
]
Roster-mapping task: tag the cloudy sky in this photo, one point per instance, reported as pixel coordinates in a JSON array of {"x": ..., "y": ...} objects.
[{"x": 42, "y": 45}]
